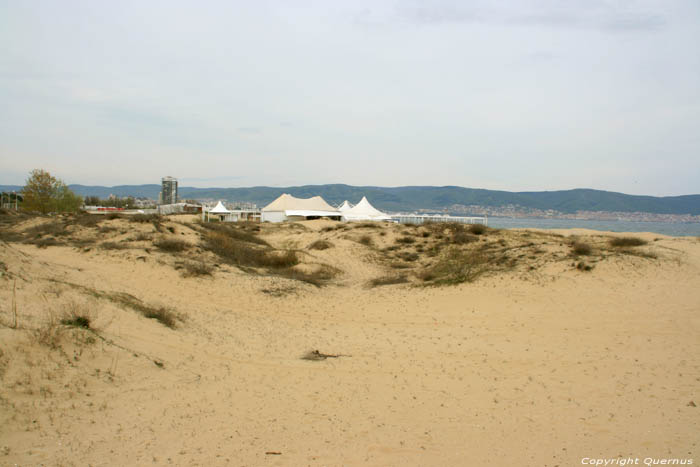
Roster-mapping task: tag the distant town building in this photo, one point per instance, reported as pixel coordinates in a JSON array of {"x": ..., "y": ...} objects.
[{"x": 168, "y": 194}]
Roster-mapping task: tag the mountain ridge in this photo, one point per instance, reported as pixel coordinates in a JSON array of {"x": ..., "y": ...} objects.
[{"x": 410, "y": 198}]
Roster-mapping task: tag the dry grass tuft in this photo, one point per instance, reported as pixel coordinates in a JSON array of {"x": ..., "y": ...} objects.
[
  {"x": 49, "y": 334},
  {"x": 623, "y": 242}
]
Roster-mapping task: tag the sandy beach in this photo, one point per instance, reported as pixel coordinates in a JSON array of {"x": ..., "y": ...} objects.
[{"x": 543, "y": 362}]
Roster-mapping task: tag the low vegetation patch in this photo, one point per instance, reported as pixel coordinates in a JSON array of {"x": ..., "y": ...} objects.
[
  {"x": 477, "y": 229},
  {"x": 163, "y": 315},
  {"x": 319, "y": 277},
  {"x": 622, "y": 242},
  {"x": 581, "y": 248},
  {"x": 320, "y": 245},
  {"x": 196, "y": 269},
  {"x": 142, "y": 237},
  {"x": 365, "y": 240},
  {"x": 242, "y": 253},
  {"x": 238, "y": 231},
  {"x": 316, "y": 356},
  {"x": 405, "y": 240},
  {"x": 455, "y": 267},
  {"x": 388, "y": 280},
  {"x": 78, "y": 321},
  {"x": 45, "y": 242},
  {"x": 171, "y": 245},
  {"x": 145, "y": 218},
  {"x": 460, "y": 237},
  {"x": 87, "y": 220},
  {"x": 113, "y": 246}
]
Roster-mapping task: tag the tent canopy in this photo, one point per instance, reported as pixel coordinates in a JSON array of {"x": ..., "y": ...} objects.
[
  {"x": 288, "y": 202},
  {"x": 219, "y": 209},
  {"x": 365, "y": 211},
  {"x": 345, "y": 206}
]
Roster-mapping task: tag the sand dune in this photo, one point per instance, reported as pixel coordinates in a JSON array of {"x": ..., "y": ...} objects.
[{"x": 538, "y": 363}]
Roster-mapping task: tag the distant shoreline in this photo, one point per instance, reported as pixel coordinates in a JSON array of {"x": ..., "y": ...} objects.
[{"x": 674, "y": 229}]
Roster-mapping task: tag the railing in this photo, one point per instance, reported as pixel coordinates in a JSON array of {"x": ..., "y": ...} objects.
[{"x": 420, "y": 219}]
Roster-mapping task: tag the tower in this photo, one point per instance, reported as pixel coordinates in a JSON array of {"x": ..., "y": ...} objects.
[{"x": 168, "y": 190}]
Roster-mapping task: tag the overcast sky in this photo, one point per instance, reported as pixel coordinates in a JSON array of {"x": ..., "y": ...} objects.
[{"x": 512, "y": 95}]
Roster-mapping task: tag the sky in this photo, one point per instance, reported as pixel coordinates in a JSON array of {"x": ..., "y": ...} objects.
[{"x": 525, "y": 95}]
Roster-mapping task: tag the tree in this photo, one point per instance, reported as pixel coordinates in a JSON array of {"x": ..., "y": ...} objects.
[{"x": 45, "y": 193}]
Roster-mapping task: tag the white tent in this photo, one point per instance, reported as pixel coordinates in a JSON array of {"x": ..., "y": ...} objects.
[
  {"x": 345, "y": 206},
  {"x": 287, "y": 207},
  {"x": 219, "y": 209},
  {"x": 364, "y": 211},
  {"x": 221, "y": 213}
]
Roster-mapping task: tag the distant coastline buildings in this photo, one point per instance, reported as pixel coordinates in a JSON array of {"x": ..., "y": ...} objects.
[{"x": 168, "y": 193}]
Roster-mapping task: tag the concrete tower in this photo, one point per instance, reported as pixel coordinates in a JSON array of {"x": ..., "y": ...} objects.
[{"x": 168, "y": 190}]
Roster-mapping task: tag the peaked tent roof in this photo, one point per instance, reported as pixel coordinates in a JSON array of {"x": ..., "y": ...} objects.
[
  {"x": 365, "y": 211},
  {"x": 345, "y": 206},
  {"x": 219, "y": 209},
  {"x": 288, "y": 202}
]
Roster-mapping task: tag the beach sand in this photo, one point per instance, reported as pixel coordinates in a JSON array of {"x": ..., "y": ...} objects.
[{"x": 531, "y": 366}]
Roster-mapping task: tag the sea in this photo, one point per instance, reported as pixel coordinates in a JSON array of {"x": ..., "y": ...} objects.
[{"x": 676, "y": 229}]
